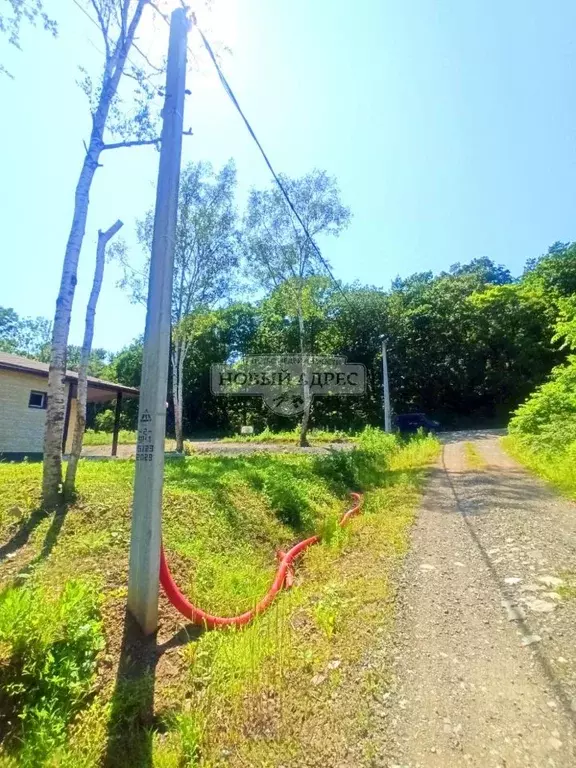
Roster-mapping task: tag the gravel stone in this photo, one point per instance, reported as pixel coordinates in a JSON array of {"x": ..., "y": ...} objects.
[{"x": 458, "y": 660}]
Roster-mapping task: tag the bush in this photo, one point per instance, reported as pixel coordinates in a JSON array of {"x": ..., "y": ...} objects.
[
  {"x": 543, "y": 429},
  {"x": 547, "y": 420},
  {"x": 363, "y": 467},
  {"x": 104, "y": 420},
  {"x": 48, "y": 649}
]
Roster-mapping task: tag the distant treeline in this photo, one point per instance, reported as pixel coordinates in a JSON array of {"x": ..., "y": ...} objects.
[{"x": 466, "y": 346}]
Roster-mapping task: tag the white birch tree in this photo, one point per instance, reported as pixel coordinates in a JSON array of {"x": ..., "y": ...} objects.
[
  {"x": 82, "y": 387},
  {"x": 118, "y": 120},
  {"x": 205, "y": 262},
  {"x": 279, "y": 252}
]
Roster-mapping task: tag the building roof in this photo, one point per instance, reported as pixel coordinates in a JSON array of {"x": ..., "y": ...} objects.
[{"x": 26, "y": 365}]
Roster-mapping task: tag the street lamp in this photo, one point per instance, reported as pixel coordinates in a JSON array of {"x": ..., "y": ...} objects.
[{"x": 385, "y": 388}]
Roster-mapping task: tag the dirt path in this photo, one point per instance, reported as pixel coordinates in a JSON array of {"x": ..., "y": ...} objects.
[
  {"x": 485, "y": 655},
  {"x": 220, "y": 448}
]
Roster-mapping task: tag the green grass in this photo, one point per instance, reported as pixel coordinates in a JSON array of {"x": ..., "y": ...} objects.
[
  {"x": 316, "y": 436},
  {"x": 49, "y": 643},
  {"x": 125, "y": 437},
  {"x": 292, "y": 436},
  {"x": 567, "y": 591},
  {"x": 223, "y": 692},
  {"x": 554, "y": 464},
  {"x": 474, "y": 459}
]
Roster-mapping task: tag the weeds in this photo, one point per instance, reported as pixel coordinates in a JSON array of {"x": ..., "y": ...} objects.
[
  {"x": 474, "y": 459},
  {"x": 554, "y": 464},
  {"x": 231, "y": 692},
  {"x": 125, "y": 437},
  {"x": 49, "y": 646},
  {"x": 293, "y": 436}
]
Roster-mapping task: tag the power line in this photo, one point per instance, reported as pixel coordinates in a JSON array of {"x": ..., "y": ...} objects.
[
  {"x": 234, "y": 100},
  {"x": 85, "y": 12},
  {"x": 277, "y": 179}
]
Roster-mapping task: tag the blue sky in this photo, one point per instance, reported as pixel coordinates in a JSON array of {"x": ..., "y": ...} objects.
[{"x": 450, "y": 125}]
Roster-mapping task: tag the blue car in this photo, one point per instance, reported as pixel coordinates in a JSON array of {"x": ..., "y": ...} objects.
[{"x": 412, "y": 422}]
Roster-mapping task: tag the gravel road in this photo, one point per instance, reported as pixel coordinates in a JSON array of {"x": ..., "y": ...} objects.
[
  {"x": 485, "y": 650},
  {"x": 219, "y": 448}
]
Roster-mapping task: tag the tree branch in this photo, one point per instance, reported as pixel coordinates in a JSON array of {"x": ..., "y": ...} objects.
[
  {"x": 159, "y": 12},
  {"x": 103, "y": 27},
  {"x": 138, "y": 142},
  {"x": 135, "y": 143},
  {"x": 160, "y": 70},
  {"x": 103, "y": 237}
]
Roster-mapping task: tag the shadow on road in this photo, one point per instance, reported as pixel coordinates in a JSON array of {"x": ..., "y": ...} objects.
[
  {"x": 466, "y": 513},
  {"x": 470, "y": 434}
]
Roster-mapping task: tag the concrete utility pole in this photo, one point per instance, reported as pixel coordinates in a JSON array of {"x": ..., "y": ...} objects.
[
  {"x": 143, "y": 584},
  {"x": 386, "y": 389}
]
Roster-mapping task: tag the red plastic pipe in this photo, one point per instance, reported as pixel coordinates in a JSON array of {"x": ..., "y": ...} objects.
[{"x": 283, "y": 578}]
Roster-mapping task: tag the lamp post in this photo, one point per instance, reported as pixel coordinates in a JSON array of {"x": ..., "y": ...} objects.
[{"x": 386, "y": 388}]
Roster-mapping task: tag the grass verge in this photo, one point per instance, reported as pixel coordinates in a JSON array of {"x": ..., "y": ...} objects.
[
  {"x": 259, "y": 696},
  {"x": 557, "y": 466},
  {"x": 315, "y": 436}
]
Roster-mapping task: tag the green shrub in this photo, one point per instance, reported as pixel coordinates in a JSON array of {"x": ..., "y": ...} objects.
[
  {"x": 543, "y": 429},
  {"x": 547, "y": 420},
  {"x": 104, "y": 420},
  {"x": 49, "y": 643},
  {"x": 362, "y": 468},
  {"x": 340, "y": 468}
]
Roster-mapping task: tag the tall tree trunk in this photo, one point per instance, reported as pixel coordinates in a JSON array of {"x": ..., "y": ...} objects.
[
  {"x": 52, "y": 468},
  {"x": 305, "y": 376},
  {"x": 180, "y": 351},
  {"x": 176, "y": 396},
  {"x": 82, "y": 389},
  {"x": 56, "y": 406}
]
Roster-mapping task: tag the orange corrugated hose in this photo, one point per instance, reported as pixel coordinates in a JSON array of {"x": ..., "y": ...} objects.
[{"x": 284, "y": 578}]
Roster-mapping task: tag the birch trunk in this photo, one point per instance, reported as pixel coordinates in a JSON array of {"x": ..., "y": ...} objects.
[
  {"x": 305, "y": 378},
  {"x": 178, "y": 358},
  {"x": 82, "y": 389},
  {"x": 176, "y": 397},
  {"x": 56, "y": 405}
]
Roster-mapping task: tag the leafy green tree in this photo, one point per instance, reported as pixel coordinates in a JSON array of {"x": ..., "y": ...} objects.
[
  {"x": 19, "y": 12},
  {"x": 512, "y": 332},
  {"x": 99, "y": 359},
  {"x": 555, "y": 271},
  {"x": 484, "y": 270},
  {"x": 279, "y": 252},
  {"x": 26, "y": 336},
  {"x": 566, "y": 323},
  {"x": 205, "y": 262},
  {"x": 125, "y": 367},
  {"x": 546, "y": 420},
  {"x": 9, "y": 322}
]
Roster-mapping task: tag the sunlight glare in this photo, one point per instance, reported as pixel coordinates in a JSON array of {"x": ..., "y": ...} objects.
[{"x": 218, "y": 21}]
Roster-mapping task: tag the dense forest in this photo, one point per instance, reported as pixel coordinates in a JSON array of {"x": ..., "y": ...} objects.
[{"x": 466, "y": 346}]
